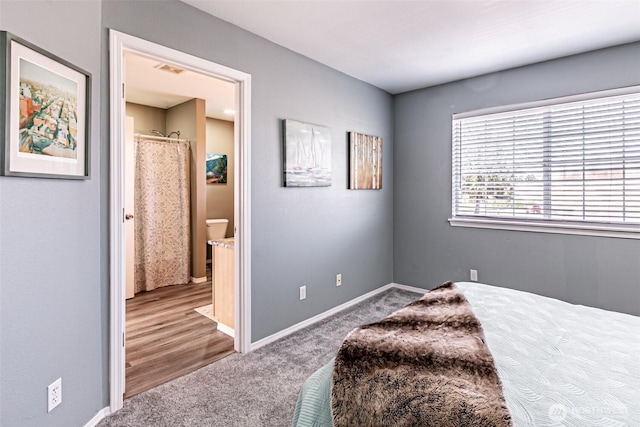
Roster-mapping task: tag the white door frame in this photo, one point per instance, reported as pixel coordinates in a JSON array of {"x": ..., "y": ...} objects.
[{"x": 119, "y": 44}]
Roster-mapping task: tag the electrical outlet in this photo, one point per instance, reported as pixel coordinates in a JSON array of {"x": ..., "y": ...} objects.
[
  {"x": 54, "y": 393},
  {"x": 339, "y": 279},
  {"x": 473, "y": 275},
  {"x": 303, "y": 292}
]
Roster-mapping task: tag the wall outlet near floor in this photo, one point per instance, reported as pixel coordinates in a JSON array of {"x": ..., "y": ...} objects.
[
  {"x": 339, "y": 279},
  {"x": 54, "y": 394},
  {"x": 473, "y": 275},
  {"x": 303, "y": 292}
]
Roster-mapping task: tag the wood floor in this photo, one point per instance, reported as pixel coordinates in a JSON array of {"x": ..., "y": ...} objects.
[{"x": 167, "y": 338}]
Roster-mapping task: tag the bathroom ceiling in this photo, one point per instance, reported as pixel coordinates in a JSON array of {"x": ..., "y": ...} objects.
[
  {"x": 400, "y": 45},
  {"x": 150, "y": 83}
]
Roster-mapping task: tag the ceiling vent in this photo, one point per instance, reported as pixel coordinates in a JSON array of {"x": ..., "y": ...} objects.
[{"x": 169, "y": 68}]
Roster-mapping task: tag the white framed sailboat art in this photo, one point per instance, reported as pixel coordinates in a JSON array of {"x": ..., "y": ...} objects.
[{"x": 307, "y": 154}]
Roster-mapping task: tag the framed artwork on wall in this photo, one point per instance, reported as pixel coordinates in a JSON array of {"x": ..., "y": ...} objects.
[
  {"x": 45, "y": 115},
  {"x": 216, "y": 168},
  {"x": 365, "y": 162},
  {"x": 307, "y": 154}
]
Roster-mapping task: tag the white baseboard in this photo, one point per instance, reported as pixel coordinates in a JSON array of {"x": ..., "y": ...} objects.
[
  {"x": 283, "y": 333},
  {"x": 199, "y": 279},
  {"x": 226, "y": 330},
  {"x": 410, "y": 288},
  {"x": 102, "y": 414}
]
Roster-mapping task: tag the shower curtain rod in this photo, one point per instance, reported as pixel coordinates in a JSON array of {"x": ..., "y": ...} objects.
[{"x": 161, "y": 138}]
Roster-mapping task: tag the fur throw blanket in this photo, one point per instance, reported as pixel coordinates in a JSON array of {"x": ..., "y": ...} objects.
[{"x": 424, "y": 365}]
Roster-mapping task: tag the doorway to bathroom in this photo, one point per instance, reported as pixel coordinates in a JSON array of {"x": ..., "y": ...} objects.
[
  {"x": 173, "y": 313},
  {"x": 159, "y": 310}
]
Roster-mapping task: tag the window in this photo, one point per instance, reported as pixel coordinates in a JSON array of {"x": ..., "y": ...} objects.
[{"x": 560, "y": 163}]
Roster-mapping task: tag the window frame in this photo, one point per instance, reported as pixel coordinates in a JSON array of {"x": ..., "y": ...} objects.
[{"x": 602, "y": 229}]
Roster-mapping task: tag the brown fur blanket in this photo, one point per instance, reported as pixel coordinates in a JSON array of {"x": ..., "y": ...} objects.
[{"x": 424, "y": 365}]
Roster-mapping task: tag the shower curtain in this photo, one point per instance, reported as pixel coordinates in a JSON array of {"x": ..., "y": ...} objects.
[{"x": 162, "y": 214}]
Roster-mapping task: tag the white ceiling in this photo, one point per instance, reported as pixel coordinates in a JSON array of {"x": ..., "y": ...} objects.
[
  {"x": 147, "y": 85},
  {"x": 404, "y": 45},
  {"x": 398, "y": 45}
]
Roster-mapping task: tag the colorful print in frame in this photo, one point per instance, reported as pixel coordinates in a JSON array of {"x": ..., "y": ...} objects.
[
  {"x": 216, "y": 168},
  {"x": 47, "y": 113}
]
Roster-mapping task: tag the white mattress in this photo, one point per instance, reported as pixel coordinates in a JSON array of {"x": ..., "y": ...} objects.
[{"x": 560, "y": 364}]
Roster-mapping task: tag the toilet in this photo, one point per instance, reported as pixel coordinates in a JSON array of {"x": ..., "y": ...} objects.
[{"x": 217, "y": 228}]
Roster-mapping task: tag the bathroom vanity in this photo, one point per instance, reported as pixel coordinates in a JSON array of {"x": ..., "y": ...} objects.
[{"x": 223, "y": 283}]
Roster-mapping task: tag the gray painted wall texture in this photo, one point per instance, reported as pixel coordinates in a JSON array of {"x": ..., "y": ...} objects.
[
  {"x": 54, "y": 250},
  {"x": 595, "y": 271},
  {"x": 52, "y": 309},
  {"x": 300, "y": 236},
  {"x": 54, "y": 246}
]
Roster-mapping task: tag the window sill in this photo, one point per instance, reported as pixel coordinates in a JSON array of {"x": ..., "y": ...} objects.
[{"x": 600, "y": 230}]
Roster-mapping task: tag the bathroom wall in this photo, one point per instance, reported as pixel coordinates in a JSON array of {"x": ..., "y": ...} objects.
[
  {"x": 189, "y": 118},
  {"x": 146, "y": 118},
  {"x": 220, "y": 196},
  {"x": 219, "y": 139}
]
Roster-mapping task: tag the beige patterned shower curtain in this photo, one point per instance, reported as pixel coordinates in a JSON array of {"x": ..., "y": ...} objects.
[{"x": 162, "y": 212}]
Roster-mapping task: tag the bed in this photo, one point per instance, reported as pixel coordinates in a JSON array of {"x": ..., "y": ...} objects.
[{"x": 559, "y": 364}]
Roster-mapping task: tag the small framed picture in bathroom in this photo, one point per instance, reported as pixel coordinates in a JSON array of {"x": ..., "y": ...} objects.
[
  {"x": 46, "y": 121},
  {"x": 216, "y": 168}
]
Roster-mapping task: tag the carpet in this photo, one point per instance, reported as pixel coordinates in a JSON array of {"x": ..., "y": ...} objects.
[
  {"x": 255, "y": 389},
  {"x": 206, "y": 311}
]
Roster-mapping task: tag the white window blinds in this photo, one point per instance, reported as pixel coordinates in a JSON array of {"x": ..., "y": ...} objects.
[{"x": 570, "y": 162}]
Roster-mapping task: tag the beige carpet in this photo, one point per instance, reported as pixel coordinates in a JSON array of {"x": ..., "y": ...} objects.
[{"x": 257, "y": 389}]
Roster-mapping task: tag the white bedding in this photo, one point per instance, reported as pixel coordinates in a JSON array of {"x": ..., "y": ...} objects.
[{"x": 560, "y": 364}]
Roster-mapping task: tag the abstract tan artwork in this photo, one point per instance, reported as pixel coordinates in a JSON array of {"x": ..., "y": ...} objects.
[{"x": 365, "y": 162}]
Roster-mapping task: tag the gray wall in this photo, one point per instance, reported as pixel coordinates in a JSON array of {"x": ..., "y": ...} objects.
[
  {"x": 300, "y": 236},
  {"x": 52, "y": 308},
  {"x": 595, "y": 271},
  {"x": 54, "y": 234}
]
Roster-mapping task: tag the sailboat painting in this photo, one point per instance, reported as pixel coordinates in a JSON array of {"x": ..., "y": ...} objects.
[{"x": 307, "y": 154}]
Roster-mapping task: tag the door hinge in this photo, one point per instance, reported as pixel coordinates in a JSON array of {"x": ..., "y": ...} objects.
[
  {"x": 123, "y": 339},
  {"x": 122, "y": 90}
]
